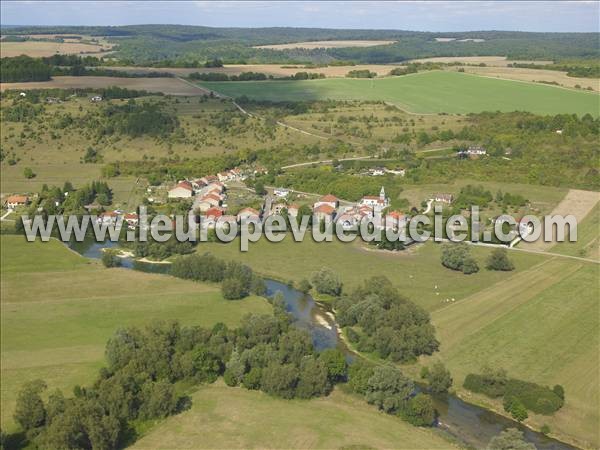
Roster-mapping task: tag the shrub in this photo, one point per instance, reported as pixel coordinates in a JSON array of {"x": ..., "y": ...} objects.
[
  {"x": 545, "y": 429},
  {"x": 420, "y": 411},
  {"x": 28, "y": 173},
  {"x": 498, "y": 260},
  {"x": 536, "y": 398},
  {"x": 458, "y": 257}
]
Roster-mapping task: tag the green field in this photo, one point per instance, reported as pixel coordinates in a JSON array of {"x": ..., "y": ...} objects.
[
  {"x": 541, "y": 325},
  {"x": 232, "y": 418},
  {"x": 588, "y": 238},
  {"x": 417, "y": 272},
  {"x": 427, "y": 92},
  {"x": 59, "y": 309}
]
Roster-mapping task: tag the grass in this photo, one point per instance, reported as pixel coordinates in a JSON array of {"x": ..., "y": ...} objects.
[
  {"x": 427, "y": 92},
  {"x": 59, "y": 309},
  {"x": 588, "y": 238},
  {"x": 541, "y": 325},
  {"x": 416, "y": 272},
  {"x": 224, "y": 417}
]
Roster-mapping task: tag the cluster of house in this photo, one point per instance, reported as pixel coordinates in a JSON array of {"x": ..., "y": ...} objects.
[
  {"x": 112, "y": 217},
  {"x": 472, "y": 151}
]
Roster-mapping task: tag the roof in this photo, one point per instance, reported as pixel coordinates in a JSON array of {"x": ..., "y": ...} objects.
[
  {"x": 214, "y": 212},
  {"x": 185, "y": 185},
  {"x": 248, "y": 210},
  {"x": 109, "y": 214},
  {"x": 325, "y": 209},
  {"x": 17, "y": 199},
  {"x": 328, "y": 198},
  {"x": 212, "y": 196},
  {"x": 131, "y": 216},
  {"x": 293, "y": 206},
  {"x": 395, "y": 214}
]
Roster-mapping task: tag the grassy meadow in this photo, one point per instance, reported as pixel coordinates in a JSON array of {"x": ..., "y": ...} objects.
[
  {"x": 588, "y": 237},
  {"x": 224, "y": 417},
  {"x": 541, "y": 325},
  {"x": 423, "y": 93},
  {"x": 417, "y": 271},
  {"x": 59, "y": 309}
]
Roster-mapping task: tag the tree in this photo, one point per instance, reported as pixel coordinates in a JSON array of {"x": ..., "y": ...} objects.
[
  {"x": 510, "y": 439},
  {"x": 304, "y": 286},
  {"x": 516, "y": 408},
  {"x": 30, "y": 412},
  {"x": 389, "y": 389},
  {"x": 110, "y": 258},
  {"x": 259, "y": 188},
  {"x": 28, "y": 173},
  {"x": 326, "y": 281},
  {"x": 420, "y": 410},
  {"x": 559, "y": 391},
  {"x": 335, "y": 361},
  {"x": 457, "y": 256},
  {"x": 280, "y": 380},
  {"x": 439, "y": 378},
  {"x": 158, "y": 400},
  {"x": 234, "y": 369},
  {"x": 313, "y": 380},
  {"x": 233, "y": 289},
  {"x": 498, "y": 260}
]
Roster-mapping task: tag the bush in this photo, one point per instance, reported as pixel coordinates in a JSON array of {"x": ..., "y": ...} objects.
[
  {"x": 545, "y": 430},
  {"x": 458, "y": 257},
  {"x": 28, "y": 173},
  {"x": 233, "y": 289},
  {"x": 498, "y": 260},
  {"x": 420, "y": 411},
  {"x": 516, "y": 408},
  {"x": 536, "y": 398},
  {"x": 491, "y": 383}
]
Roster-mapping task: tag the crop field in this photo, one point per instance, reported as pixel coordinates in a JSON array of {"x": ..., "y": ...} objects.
[
  {"x": 59, "y": 309},
  {"x": 43, "y": 48},
  {"x": 541, "y": 325},
  {"x": 325, "y": 44},
  {"x": 276, "y": 70},
  {"x": 427, "y": 92},
  {"x": 417, "y": 271},
  {"x": 171, "y": 86},
  {"x": 535, "y": 75},
  {"x": 225, "y": 417},
  {"x": 496, "y": 61}
]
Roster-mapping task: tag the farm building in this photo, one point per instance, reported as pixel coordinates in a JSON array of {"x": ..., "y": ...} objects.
[
  {"x": 329, "y": 200},
  {"x": 324, "y": 212}
]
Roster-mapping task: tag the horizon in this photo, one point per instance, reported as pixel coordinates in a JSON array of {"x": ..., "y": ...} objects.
[{"x": 418, "y": 16}]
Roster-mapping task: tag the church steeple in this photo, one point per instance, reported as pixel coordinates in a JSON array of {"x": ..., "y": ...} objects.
[{"x": 382, "y": 194}]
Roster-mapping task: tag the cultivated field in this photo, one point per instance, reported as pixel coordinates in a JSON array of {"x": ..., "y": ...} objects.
[
  {"x": 224, "y": 417},
  {"x": 276, "y": 70},
  {"x": 588, "y": 237},
  {"x": 541, "y": 325},
  {"x": 172, "y": 86},
  {"x": 44, "y": 48},
  {"x": 496, "y": 61},
  {"x": 324, "y": 44},
  {"x": 534, "y": 75},
  {"x": 59, "y": 309},
  {"x": 427, "y": 92}
]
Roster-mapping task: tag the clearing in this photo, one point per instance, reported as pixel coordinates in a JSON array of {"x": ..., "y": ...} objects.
[
  {"x": 86, "y": 302},
  {"x": 225, "y": 417},
  {"x": 324, "y": 44},
  {"x": 425, "y": 92},
  {"x": 46, "y": 48}
]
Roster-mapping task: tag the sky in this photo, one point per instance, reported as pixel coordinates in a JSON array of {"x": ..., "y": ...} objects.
[{"x": 402, "y": 15}]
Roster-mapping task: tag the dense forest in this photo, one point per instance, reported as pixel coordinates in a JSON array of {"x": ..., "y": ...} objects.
[{"x": 176, "y": 44}]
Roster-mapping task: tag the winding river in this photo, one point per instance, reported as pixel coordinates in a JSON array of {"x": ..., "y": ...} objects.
[{"x": 470, "y": 424}]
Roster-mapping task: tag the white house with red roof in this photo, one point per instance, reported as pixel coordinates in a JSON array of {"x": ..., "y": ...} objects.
[
  {"x": 329, "y": 199},
  {"x": 16, "y": 200},
  {"x": 248, "y": 214},
  {"x": 184, "y": 189}
]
